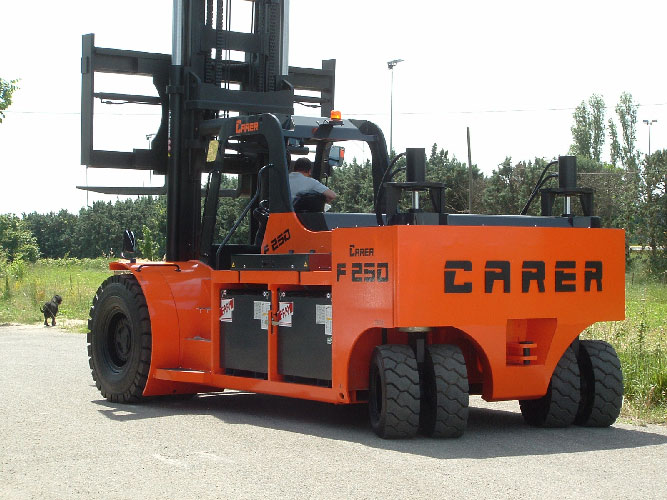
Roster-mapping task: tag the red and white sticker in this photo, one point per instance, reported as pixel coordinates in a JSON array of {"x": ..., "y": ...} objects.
[
  {"x": 226, "y": 310},
  {"x": 285, "y": 313}
]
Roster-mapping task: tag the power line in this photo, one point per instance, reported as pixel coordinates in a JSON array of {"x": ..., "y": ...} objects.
[
  {"x": 75, "y": 113},
  {"x": 485, "y": 111},
  {"x": 405, "y": 113}
]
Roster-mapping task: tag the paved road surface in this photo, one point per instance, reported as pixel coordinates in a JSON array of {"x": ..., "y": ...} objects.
[{"x": 60, "y": 439}]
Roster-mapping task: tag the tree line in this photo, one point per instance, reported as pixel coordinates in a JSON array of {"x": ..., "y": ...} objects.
[{"x": 629, "y": 193}]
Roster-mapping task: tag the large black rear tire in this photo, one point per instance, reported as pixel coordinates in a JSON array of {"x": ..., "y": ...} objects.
[
  {"x": 559, "y": 406},
  {"x": 394, "y": 392},
  {"x": 601, "y": 384},
  {"x": 119, "y": 340},
  {"x": 445, "y": 394}
]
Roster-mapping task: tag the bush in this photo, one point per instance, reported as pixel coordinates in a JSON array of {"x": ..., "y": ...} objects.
[{"x": 16, "y": 240}]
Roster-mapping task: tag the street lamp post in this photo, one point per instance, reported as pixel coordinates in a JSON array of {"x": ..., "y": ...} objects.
[
  {"x": 391, "y": 65},
  {"x": 149, "y": 138},
  {"x": 649, "y": 123}
]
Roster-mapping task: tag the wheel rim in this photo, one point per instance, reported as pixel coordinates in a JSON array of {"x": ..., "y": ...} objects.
[{"x": 119, "y": 341}]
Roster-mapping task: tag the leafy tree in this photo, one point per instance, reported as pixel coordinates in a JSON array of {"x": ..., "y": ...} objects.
[
  {"x": 598, "y": 108},
  {"x": 589, "y": 128},
  {"x": 510, "y": 186},
  {"x": 653, "y": 221},
  {"x": 16, "y": 240},
  {"x": 53, "y": 232},
  {"x": 454, "y": 174},
  {"x": 99, "y": 228},
  {"x": 581, "y": 131},
  {"x": 149, "y": 246},
  {"x": 229, "y": 210},
  {"x": 615, "y": 146},
  {"x": 626, "y": 111},
  {"x": 7, "y": 89},
  {"x": 353, "y": 182},
  {"x": 605, "y": 179}
]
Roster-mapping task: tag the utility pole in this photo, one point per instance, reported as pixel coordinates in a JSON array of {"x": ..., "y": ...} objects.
[
  {"x": 149, "y": 138},
  {"x": 649, "y": 123},
  {"x": 469, "y": 173},
  {"x": 391, "y": 64}
]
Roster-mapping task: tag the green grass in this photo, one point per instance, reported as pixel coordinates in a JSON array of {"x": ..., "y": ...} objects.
[
  {"x": 642, "y": 347},
  {"x": 26, "y": 287},
  {"x": 639, "y": 340}
]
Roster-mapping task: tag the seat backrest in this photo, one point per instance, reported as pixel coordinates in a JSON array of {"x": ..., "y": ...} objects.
[{"x": 309, "y": 202}]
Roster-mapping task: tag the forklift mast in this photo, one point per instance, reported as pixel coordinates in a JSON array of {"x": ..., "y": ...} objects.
[{"x": 200, "y": 81}]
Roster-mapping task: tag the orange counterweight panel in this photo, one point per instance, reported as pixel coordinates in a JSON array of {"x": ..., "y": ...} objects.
[
  {"x": 574, "y": 275},
  {"x": 496, "y": 286},
  {"x": 484, "y": 280}
]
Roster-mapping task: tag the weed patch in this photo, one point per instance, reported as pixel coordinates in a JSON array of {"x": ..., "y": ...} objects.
[
  {"x": 640, "y": 343},
  {"x": 76, "y": 281}
]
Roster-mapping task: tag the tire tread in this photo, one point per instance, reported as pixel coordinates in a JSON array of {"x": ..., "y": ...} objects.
[
  {"x": 401, "y": 419},
  {"x": 602, "y": 391},
  {"x": 445, "y": 413},
  {"x": 134, "y": 393},
  {"x": 559, "y": 406}
]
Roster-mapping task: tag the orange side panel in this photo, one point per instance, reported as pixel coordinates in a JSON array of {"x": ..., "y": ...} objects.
[
  {"x": 284, "y": 233},
  {"x": 359, "y": 300},
  {"x": 394, "y": 277}
]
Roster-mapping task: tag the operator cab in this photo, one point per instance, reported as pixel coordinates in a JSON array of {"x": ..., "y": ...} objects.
[{"x": 258, "y": 150}]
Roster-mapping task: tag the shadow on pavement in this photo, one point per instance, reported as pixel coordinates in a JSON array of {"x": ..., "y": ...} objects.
[{"x": 490, "y": 433}]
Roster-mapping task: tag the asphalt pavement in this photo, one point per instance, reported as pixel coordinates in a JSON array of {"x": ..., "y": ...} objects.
[{"x": 59, "y": 439}]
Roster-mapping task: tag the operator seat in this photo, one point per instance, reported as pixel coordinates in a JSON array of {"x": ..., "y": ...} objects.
[{"x": 309, "y": 201}]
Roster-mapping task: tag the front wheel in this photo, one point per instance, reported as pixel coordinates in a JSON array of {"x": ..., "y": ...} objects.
[
  {"x": 394, "y": 392},
  {"x": 119, "y": 340}
]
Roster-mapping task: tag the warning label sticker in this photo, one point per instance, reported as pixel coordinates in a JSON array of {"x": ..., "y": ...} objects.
[
  {"x": 323, "y": 317},
  {"x": 285, "y": 313},
  {"x": 226, "y": 310},
  {"x": 261, "y": 312}
]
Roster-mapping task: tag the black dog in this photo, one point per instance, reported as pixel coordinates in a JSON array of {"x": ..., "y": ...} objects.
[{"x": 50, "y": 310}]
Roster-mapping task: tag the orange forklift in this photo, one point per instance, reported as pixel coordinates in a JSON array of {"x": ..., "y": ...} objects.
[{"x": 407, "y": 310}]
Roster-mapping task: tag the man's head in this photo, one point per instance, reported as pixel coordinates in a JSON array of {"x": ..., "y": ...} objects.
[{"x": 303, "y": 165}]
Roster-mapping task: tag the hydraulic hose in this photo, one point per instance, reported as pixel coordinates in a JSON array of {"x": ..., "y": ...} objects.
[
  {"x": 539, "y": 184},
  {"x": 376, "y": 204}
]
